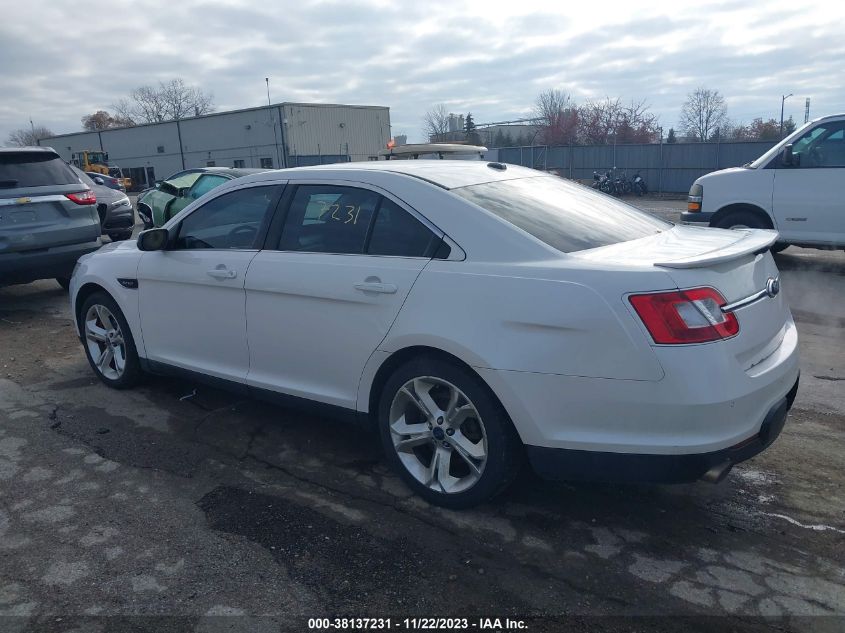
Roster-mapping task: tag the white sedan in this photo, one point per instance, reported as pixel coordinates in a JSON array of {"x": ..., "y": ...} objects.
[{"x": 474, "y": 313}]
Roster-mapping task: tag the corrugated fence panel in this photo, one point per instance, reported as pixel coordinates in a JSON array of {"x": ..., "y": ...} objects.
[{"x": 667, "y": 167}]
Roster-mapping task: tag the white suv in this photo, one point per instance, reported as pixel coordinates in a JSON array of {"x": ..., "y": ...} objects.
[{"x": 795, "y": 187}]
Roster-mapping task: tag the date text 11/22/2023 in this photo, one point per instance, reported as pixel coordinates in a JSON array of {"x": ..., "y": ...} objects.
[{"x": 416, "y": 624}]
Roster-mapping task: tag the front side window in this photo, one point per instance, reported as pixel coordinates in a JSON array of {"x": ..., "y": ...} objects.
[
  {"x": 204, "y": 184},
  {"x": 232, "y": 220},
  {"x": 823, "y": 146},
  {"x": 564, "y": 215}
]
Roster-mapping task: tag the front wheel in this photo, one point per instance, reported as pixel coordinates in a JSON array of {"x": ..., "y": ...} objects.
[
  {"x": 446, "y": 434},
  {"x": 741, "y": 220},
  {"x": 108, "y": 342}
]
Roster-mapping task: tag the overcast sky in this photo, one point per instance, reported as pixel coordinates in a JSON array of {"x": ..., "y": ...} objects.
[{"x": 61, "y": 60}]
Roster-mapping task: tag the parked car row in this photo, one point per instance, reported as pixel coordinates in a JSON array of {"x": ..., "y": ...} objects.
[
  {"x": 626, "y": 348},
  {"x": 51, "y": 212}
]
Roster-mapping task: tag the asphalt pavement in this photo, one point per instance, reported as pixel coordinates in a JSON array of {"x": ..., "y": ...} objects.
[{"x": 177, "y": 506}]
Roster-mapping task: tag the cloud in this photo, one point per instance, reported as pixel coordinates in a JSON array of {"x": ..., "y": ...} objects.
[{"x": 488, "y": 57}]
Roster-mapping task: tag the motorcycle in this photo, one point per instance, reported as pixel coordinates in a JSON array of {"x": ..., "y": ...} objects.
[
  {"x": 603, "y": 182},
  {"x": 638, "y": 185}
]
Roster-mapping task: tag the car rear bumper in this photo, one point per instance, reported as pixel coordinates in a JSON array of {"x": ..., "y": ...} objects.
[
  {"x": 696, "y": 219},
  {"x": 125, "y": 220},
  {"x": 568, "y": 464},
  {"x": 706, "y": 403},
  {"x": 43, "y": 263}
]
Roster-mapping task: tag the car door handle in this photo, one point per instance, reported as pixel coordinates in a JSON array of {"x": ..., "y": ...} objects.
[
  {"x": 221, "y": 273},
  {"x": 376, "y": 286}
]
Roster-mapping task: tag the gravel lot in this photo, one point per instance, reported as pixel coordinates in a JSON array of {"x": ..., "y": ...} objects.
[{"x": 179, "y": 500}]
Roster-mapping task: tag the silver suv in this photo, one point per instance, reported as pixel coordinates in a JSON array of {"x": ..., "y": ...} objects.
[{"x": 48, "y": 217}]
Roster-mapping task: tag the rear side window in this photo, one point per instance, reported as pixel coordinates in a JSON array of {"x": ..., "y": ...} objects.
[
  {"x": 564, "y": 215},
  {"x": 329, "y": 219},
  {"x": 396, "y": 232},
  {"x": 34, "y": 169},
  {"x": 205, "y": 184}
]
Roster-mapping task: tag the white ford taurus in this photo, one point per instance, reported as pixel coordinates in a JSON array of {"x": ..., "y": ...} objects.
[{"x": 475, "y": 313}]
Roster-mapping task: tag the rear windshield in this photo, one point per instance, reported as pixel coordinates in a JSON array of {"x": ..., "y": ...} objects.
[
  {"x": 564, "y": 215},
  {"x": 34, "y": 169}
]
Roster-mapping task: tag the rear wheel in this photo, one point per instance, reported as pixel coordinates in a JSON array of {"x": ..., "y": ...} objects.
[
  {"x": 108, "y": 342},
  {"x": 742, "y": 220},
  {"x": 447, "y": 436}
]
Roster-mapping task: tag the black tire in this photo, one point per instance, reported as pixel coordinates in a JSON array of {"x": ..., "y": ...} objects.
[
  {"x": 146, "y": 216},
  {"x": 120, "y": 236},
  {"x": 64, "y": 282},
  {"x": 742, "y": 219},
  {"x": 132, "y": 370},
  {"x": 504, "y": 448},
  {"x": 777, "y": 247}
]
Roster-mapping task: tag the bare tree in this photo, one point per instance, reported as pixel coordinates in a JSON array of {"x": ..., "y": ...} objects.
[
  {"x": 169, "y": 101},
  {"x": 102, "y": 120},
  {"x": 556, "y": 117},
  {"x": 181, "y": 100},
  {"x": 436, "y": 122},
  {"x": 25, "y": 136},
  {"x": 704, "y": 112},
  {"x": 598, "y": 120}
]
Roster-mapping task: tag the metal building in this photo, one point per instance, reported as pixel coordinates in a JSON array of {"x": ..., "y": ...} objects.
[{"x": 279, "y": 135}]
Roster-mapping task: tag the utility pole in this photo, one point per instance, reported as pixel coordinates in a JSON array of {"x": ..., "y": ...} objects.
[
  {"x": 273, "y": 119},
  {"x": 782, "y": 100}
]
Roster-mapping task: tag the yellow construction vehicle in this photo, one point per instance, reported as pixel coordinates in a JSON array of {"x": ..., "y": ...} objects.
[{"x": 98, "y": 163}]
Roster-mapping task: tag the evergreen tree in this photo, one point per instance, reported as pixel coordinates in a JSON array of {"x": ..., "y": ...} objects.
[
  {"x": 470, "y": 133},
  {"x": 671, "y": 138}
]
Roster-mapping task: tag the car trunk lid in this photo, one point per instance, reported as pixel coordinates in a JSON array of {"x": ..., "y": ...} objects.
[
  {"x": 736, "y": 263},
  {"x": 35, "y": 212},
  {"x": 43, "y": 217}
]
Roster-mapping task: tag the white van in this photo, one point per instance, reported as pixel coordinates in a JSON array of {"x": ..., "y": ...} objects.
[{"x": 796, "y": 187}]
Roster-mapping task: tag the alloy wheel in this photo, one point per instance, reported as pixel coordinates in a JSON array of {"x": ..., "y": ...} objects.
[
  {"x": 438, "y": 434},
  {"x": 105, "y": 342}
]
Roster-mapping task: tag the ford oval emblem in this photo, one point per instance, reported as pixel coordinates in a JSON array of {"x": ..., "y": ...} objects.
[{"x": 772, "y": 287}]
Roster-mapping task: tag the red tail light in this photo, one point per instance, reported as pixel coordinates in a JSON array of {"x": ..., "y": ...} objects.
[
  {"x": 83, "y": 197},
  {"x": 685, "y": 316}
]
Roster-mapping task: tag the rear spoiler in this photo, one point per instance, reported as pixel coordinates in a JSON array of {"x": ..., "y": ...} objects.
[{"x": 753, "y": 242}]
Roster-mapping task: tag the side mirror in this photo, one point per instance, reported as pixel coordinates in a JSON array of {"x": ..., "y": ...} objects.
[
  {"x": 157, "y": 185},
  {"x": 99, "y": 181},
  {"x": 786, "y": 157},
  {"x": 153, "y": 239}
]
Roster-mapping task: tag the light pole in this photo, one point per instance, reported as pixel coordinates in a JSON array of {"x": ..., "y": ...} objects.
[
  {"x": 273, "y": 119},
  {"x": 782, "y": 100}
]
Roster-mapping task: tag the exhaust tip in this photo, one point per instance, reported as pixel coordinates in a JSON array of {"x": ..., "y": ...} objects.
[{"x": 718, "y": 472}]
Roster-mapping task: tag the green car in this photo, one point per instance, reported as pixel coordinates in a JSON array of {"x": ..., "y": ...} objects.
[{"x": 157, "y": 205}]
